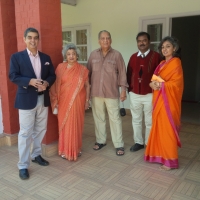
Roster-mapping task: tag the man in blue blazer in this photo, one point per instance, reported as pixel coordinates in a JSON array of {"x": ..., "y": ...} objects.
[{"x": 34, "y": 74}]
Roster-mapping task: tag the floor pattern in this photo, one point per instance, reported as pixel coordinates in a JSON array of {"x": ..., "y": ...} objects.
[{"x": 102, "y": 175}]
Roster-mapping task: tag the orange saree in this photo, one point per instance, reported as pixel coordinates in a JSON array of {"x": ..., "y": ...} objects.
[
  {"x": 68, "y": 92},
  {"x": 162, "y": 146}
]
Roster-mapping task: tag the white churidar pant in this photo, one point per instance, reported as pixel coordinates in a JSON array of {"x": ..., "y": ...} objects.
[{"x": 140, "y": 104}]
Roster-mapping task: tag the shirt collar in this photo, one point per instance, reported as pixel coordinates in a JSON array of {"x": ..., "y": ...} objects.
[
  {"x": 30, "y": 53},
  {"x": 146, "y": 53},
  {"x": 108, "y": 50}
]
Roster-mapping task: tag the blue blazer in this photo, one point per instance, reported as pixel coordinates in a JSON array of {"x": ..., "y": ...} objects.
[{"x": 21, "y": 72}]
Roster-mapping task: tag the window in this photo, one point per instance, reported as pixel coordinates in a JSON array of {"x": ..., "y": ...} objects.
[
  {"x": 156, "y": 29},
  {"x": 80, "y": 37}
]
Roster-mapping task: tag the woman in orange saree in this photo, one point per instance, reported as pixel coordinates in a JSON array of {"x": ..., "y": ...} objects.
[
  {"x": 70, "y": 96},
  {"x": 167, "y": 83}
]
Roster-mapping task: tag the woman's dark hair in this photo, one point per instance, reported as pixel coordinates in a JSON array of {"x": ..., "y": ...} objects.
[{"x": 175, "y": 44}]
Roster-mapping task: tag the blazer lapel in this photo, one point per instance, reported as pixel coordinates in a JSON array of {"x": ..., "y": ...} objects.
[
  {"x": 42, "y": 60},
  {"x": 27, "y": 61}
]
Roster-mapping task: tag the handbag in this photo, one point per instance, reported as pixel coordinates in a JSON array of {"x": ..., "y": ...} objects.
[{"x": 122, "y": 111}]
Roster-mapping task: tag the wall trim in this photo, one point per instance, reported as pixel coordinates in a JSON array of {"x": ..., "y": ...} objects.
[{"x": 167, "y": 17}]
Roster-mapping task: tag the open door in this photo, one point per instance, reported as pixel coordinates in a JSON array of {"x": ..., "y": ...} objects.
[{"x": 187, "y": 31}]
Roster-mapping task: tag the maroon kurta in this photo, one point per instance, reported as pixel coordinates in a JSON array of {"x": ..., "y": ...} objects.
[{"x": 140, "y": 70}]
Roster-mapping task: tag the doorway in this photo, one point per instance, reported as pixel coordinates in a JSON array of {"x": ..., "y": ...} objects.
[{"x": 187, "y": 31}]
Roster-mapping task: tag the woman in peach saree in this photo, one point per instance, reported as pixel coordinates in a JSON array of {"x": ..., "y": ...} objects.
[
  {"x": 167, "y": 83},
  {"x": 69, "y": 100}
]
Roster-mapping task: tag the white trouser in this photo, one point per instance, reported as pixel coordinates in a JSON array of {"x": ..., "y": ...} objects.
[
  {"x": 99, "y": 106},
  {"x": 33, "y": 125},
  {"x": 138, "y": 105}
]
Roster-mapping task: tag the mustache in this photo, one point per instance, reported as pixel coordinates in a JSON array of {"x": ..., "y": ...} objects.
[{"x": 142, "y": 45}]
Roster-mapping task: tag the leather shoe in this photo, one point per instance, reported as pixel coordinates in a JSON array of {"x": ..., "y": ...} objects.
[
  {"x": 23, "y": 174},
  {"x": 136, "y": 147},
  {"x": 40, "y": 161}
]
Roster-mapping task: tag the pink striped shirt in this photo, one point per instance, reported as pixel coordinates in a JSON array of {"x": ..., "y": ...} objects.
[{"x": 36, "y": 63}]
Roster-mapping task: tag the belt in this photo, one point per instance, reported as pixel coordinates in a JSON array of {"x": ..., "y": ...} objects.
[{"x": 40, "y": 93}]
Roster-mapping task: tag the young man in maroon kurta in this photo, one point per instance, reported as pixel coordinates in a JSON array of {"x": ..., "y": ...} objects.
[{"x": 139, "y": 72}]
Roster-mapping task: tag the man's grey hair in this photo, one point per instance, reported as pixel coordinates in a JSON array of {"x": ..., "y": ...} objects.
[
  {"x": 70, "y": 46},
  {"x": 103, "y": 31}
]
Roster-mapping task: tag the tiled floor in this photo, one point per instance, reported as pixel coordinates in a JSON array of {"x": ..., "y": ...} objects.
[{"x": 101, "y": 175}]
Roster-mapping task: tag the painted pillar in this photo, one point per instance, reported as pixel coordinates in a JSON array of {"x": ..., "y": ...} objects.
[
  {"x": 15, "y": 17},
  {"x": 8, "y": 46},
  {"x": 45, "y": 16}
]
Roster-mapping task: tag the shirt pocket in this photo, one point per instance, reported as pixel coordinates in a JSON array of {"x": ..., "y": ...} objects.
[
  {"x": 111, "y": 66},
  {"x": 96, "y": 65}
]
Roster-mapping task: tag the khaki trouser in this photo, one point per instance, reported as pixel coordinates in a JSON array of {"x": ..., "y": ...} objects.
[
  {"x": 33, "y": 126},
  {"x": 138, "y": 105},
  {"x": 99, "y": 106}
]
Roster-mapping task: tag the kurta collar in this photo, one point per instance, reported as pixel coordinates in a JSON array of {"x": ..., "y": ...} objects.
[
  {"x": 108, "y": 50},
  {"x": 146, "y": 53}
]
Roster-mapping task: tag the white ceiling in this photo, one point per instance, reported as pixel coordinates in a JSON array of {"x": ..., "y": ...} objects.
[{"x": 69, "y": 2}]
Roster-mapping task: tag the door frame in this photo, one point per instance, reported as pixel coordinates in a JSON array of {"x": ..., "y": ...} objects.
[{"x": 167, "y": 20}]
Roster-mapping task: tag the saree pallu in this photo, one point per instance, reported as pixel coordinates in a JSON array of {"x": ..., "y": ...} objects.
[
  {"x": 163, "y": 142},
  {"x": 69, "y": 93}
]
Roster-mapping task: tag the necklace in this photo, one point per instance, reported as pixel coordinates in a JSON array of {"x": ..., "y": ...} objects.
[{"x": 68, "y": 65}]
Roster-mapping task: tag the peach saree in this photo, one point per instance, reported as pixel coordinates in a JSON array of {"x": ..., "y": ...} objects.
[
  {"x": 162, "y": 146},
  {"x": 69, "y": 93}
]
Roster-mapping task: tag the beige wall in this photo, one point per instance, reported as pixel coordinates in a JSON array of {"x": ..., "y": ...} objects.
[{"x": 121, "y": 18}]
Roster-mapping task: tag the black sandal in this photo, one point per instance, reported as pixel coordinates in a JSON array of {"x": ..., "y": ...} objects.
[
  {"x": 99, "y": 145},
  {"x": 120, "y": 149}
]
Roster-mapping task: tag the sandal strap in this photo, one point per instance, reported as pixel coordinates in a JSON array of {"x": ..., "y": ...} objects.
[
  {"x": 120, "y": 149},
  {"x": 96, "y": 143},
  {"x": 99, "y": 145}
]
